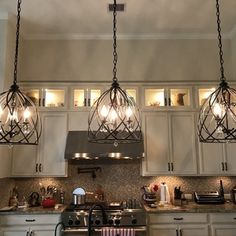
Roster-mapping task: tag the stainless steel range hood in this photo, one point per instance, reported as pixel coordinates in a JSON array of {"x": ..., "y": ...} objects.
[{"x": 78, "y": 148}]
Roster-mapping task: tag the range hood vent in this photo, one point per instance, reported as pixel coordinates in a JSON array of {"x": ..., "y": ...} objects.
[{"x": 78, "y": 148}]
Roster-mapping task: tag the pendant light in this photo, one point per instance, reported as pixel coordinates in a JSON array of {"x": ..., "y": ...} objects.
[
  {"x": 217, "y": 119},
  {"x": 114, "y": 117},
  {"x": 19, "y": 119}
]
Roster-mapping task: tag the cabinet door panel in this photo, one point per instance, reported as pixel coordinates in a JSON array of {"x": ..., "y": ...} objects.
[
  {"x": 156, "y": 135},
  {"x": 14, "y": 232},
  {"x": 224, "y": 230},
  {"x": 211, "y": 155},
  {"x": 5, "y": 159},
  {"x": 78, "y": 120},
  {"x": 230, "y": 158},
  {"x": 194, "y": 230},
  {"x": 24, "y": 158},
  {"x": 52, "y": 146},
  {"x": 166, "y": 230},
  {"x": 183, "y": 143}
]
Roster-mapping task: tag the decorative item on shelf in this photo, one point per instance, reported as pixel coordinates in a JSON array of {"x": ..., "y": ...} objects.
[
  {"x": 180, "y": 99},
  {"x": 114, "y": 117},
  {"x": 19, "y": 119},
  {"x": 217, "y": 118}
]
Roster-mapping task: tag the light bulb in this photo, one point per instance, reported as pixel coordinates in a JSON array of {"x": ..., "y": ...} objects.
[
  {"x": 129, "y": 112},
  {"x": 113, "y": 115},
  {"x": 13, "y": 116},
  {"x": 218, "y": 110},
  {"x": 26, "y": 114},
  {"x": 104, "y": 111}
]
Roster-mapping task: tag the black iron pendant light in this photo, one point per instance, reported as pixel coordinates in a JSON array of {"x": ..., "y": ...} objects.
[
  {"x": 19, "y": 119},
  {"x": 217, "y": 119},
  {"x": 114, "y": 117}
]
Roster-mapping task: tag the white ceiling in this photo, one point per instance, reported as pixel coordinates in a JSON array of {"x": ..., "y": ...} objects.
[{"x": 141, "y": 18}]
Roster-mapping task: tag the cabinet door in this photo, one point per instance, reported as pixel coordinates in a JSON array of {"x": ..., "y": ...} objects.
[
  {"x": 183, "y": 146},
  {"x": 78, "y": 120},
  {"x": 211, "y": 156},
  {"x": 230, "y": 161},
  {"x": 15, "y": 231},
  {"x": 223, "y": 230},
  {"x": 163, "y": 230},
  {"x": 5, "y": 159},
  {"x": 52, "y": 145},
  {"x": 43, "y": 230},
  {"x": 156, "y": 140},
  {"x": 194, "y": 230},
  {"x": 24, "y": 160}
]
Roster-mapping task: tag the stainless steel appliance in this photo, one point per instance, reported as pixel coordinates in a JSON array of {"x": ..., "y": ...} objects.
[{"x": 75, "y": 220}]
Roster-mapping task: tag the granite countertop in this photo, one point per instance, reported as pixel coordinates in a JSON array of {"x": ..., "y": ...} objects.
[
  {"x": 193, "y": 208},
  {"x": 34, "y": 210}
]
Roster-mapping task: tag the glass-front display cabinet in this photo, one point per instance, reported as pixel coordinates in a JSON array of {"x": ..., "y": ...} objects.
[
  {"x": 47, "y": 97},
  {"x": 167, "y": 98},
  {"x": 132, "y": 93},
  {"x": 204, "y": 93}
]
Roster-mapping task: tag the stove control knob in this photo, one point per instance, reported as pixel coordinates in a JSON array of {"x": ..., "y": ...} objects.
[
  {"x": 77, "y": 222},
  {"x": 134, "y": 221},
  {"x": 97, "y": 222},
  {"x": 110, "y": 222},
  {"x": 117, "y": 221},
  {"x": 70, "y": 222}
]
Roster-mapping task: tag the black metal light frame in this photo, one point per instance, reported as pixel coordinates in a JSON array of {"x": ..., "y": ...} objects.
[
  {"x": 217, "y": 118},
  {"x": 120, "y": 123},
  {"x": 19, "y": 119}
]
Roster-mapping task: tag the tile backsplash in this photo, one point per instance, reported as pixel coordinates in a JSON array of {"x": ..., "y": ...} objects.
[{"x": 119, "y": 182}]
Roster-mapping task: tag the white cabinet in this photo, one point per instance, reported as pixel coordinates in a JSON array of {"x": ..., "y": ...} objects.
[
  {"x": 29, "y": 225},
  {"x": 5, "y": 160},
  {"x": 46, "y": 159},
  {"x": 178, "y": 224},
  {"x": 170, "y": 146}
]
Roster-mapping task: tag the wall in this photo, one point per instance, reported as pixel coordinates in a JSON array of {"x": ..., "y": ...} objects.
[
  {"x": 233, "y": 47},
  {"x": 138, "y": 60}
]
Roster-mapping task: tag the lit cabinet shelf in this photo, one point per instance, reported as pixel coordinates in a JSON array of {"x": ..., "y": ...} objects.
[
  {"x": 176, "y": 97},
  {"x": 47, "y": 98}
]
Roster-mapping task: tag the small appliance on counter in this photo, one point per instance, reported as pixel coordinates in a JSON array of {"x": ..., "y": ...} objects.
[
  {"x": 233, "y": 191},
  {"x": 210, "y": 197},
  {"x": 34, "y": 199}
]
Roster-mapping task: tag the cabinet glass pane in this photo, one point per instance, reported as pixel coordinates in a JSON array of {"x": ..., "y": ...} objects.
[
  {"x": 204, "y": 93},
  {"x": 132, "y": 94},
  {"x": 54, "y": 97},
  {"x": 94, "y": 94},
  {"x": 79, "y": 96},
  {"x": 179, "y": 97},
  {"x": 33, "y": 94},
  {"x": 154, "y": 97}
]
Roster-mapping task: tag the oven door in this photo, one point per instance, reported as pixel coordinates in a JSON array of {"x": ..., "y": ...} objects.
[{"x": 139, "y": 231}]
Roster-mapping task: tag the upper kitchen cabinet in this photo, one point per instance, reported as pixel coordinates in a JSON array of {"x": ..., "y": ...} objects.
[
  {"x": 170, "y": 146},
  {"x": 5, "y": 159},
  {"x": 83, "y": 97},
  {"x": 46, "y": 159},
  {"x": 156, "y": 98},
  {"x": 47, "y": 98},
  {"x": 203, "y": 93}
]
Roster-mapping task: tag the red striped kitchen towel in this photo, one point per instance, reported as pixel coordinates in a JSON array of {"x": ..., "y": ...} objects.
[{"x": 107, "y": 231}]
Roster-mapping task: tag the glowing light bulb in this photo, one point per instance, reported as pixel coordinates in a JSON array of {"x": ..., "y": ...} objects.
[
  {"x": 218, "y": 110},
  {"x": 13, "y": 116},
  {"x": 129, "y": 112},
  {"x": 26, "y": 114},
  {"x": 104, "y": 111},
  {"x": 113, "y": 115}
]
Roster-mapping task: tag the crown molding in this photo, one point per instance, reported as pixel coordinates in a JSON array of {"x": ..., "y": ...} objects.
[{"x": 120, "y": 36}]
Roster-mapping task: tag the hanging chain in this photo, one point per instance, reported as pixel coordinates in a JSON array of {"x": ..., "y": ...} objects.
[
  {"x": 115, "y": 56},
  {"x": 220, "y": 40},
  {"x": 17, "y": 40}
]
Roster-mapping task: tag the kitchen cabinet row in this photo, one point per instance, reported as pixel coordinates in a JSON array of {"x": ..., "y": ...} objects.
[
  {"x": 172, "y": 147},
  {"x": 192, "y": 224},
  {"x": 153, "y": 96}
]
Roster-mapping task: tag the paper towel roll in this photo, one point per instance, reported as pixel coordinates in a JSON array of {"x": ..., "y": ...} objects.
[{"x": 165, "y": 196}]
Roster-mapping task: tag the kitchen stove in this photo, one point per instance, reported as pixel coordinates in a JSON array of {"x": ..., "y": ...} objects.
[{"x": 75, "y": 219}]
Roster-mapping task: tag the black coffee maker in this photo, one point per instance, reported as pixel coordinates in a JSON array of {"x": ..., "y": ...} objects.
[{"x": 233, "y": 191}]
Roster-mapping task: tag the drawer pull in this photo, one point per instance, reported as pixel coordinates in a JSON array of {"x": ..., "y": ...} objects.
[
  {"x": 178, "y": 218},
  {"x": 27, "y": 220},
  {"x": 226, "y": 166}
]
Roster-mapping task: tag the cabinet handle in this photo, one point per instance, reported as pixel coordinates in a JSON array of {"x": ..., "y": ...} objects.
[
  {"x": 222, "y": 165},
  {"x": 178, "y": 218},
  {"x": 40, "y": 167},
  {"x": 226, "y": 166},
  {"x": 165, "y": 102},
  {"x": 27, "y": 233},
  {"x": 39, "y": 102},
  {"x": 43, "y": 102},
  {"x": 85, "y": 102},
  {"x": 180, "y": 232},
  {"x": 168, "y": 166},
  {"x": 172, "y": 166},
  {"x": 169, "y": 101},
  {"x": 31, "y": 233},
  {"x": 234, "y": 218},
  {"x": 177, "y": 232},
  {"x": 36, "y": 167},
  {"x": 30, "y": 220},
  {"x": 89, "y": 102}
]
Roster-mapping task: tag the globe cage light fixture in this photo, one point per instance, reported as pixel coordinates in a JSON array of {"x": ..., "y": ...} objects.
[
  {"x": 217, "y": 118},
  {"x": 19, "y": 119},
  {"x": 114, "y": 117}
]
